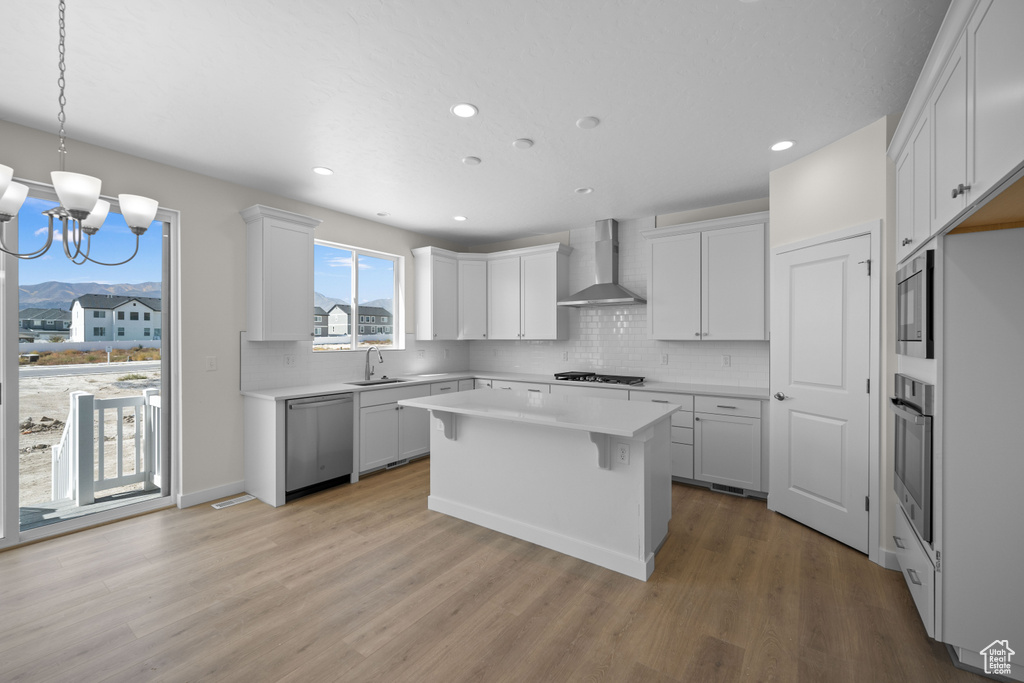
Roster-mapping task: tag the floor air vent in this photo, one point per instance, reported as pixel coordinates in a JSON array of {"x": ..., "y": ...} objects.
[
  {"x": 234, "y": 501},
  {"x": 397, "y": 463},
  {"x": 728, "y": 489}
]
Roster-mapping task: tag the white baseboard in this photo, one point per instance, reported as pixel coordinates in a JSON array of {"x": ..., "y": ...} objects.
[
  {"x": 887, "y": 559},
  {"x": 186, "y": 500},
  {"x": 603, "y": 557}
]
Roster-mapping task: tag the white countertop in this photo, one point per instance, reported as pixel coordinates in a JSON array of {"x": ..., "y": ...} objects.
[
  {"x": 339, "y": 387},
  {"x": 581, "y": 413}
]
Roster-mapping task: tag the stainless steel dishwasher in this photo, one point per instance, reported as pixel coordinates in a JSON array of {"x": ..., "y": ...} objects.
[{"x": 319, "y": 443}]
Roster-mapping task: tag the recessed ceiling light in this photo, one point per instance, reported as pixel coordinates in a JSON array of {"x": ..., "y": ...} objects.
[
  {"x": 523, "y": 143},
  {"x": 464, "y": 110},
  {"x": 322, "y": 170},
  {"x": 584, "y": 190},
  {"x": 783, "y": 145},
  {"x": 382, "y": 214},
  {"x": 459, "y": 218},
  {"x": 471, "y": 161},
  {"x": 588, "y": 122}
]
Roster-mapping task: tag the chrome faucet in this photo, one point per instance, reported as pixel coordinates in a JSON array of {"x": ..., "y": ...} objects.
[{"x": 369, "y": 370}]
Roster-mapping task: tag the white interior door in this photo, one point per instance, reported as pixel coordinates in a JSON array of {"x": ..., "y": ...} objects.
[{"x": 820, "y": 351}]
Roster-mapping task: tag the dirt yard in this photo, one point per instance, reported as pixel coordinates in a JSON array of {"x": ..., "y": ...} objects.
[{"x": 43, "y": 408}]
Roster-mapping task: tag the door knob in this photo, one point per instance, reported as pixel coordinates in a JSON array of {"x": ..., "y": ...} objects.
[{"x": 779, "y": 396}]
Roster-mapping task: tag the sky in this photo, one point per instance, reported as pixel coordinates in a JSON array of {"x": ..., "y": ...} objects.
[
  {"x": 114, "y": 242},
  {"x": 332, "y": 275}
]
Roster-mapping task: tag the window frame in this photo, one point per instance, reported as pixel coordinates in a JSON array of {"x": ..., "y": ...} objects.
[{"x": 359, "y": 323}]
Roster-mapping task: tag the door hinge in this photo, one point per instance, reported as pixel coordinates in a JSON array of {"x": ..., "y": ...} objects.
[
  {"x": 869, "y": 385},
  {"x": 867, "y": 503},
  {"x": 938, "y": 560}
]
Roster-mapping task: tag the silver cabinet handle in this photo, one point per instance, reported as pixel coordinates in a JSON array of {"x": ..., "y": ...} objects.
[
  {"x": 779, "y": 396},
  {"x": 509, "y": 388},
  {"x": 658, "y": 400},
  {"x": 906, "y": 241},
  {"x": 445, "y": 389},
  {"x": 899, "y": 542},
  {"x": 696, "y": 334},
  {"x": 914, "y": 578},
  {"x": 729, "y": 407},
  {"x": 696, "y": 419},
  {"x": 960, "y": 189},
  {"x": 896, "y": 406}
]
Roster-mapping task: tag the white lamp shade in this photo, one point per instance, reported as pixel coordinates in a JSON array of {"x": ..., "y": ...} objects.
[
  {"x": 75, "y": 191},
  {"x": 97, "y": 215},
  {"x": 6, "y": 173},
  {"x": 138, "y": 211},
  {"x": 13, "y": 198}
]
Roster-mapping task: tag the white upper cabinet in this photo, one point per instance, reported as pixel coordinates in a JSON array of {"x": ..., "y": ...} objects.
[
  {"x": 544, "y": 281},
  {"x": 706, "y": 281},
  {"x": 503, "y": 299},
  {"x": 995, "y": 81},
  {"x": 279, "y": 279},
  {"x": 472, "y": 297},
  {"x": 963, "y": 121},
  {"x": 949, "y": 125},
  {"x": 436, "y": 294}
]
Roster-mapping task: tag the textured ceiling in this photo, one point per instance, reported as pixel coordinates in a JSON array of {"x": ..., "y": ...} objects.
[{"x": 690, "y": 94}]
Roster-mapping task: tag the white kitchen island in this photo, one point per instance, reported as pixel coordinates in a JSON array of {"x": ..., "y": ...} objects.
[{"x": 588, "y": 477}]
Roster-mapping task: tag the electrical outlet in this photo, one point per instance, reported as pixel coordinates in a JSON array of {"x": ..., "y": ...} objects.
[
  {"x": 421, "y": 353},
  {"x": 622, "y": 453},
  {"x": 211, "y": 363},
  {"x": 726, "y": 361},
  {"x": 664, "y": 359},
  {"x": 289, "y": 360},
  {"x": 446, "y": 354},
  {"x": 565, "y": 355}
]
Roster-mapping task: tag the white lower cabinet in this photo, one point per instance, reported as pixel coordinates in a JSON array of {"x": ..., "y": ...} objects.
[
  {"x": 917, "y": 570},
  {"x": 521, "y": 386},
  {"x": 681, "y": 445},
  {"x": 467, "y": 384},
  {"x": 727, "y": 442},
  {"x": 389, "y": 432}
]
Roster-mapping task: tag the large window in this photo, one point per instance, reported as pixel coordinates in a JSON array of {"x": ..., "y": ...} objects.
[{"x": 355, "y": 286}]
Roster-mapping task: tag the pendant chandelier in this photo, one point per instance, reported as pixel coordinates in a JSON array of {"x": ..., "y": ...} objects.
[{"x": 81, "y": 211}]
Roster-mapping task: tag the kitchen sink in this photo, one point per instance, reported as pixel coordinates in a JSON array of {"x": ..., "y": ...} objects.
[{"x": 382, "y": 380}]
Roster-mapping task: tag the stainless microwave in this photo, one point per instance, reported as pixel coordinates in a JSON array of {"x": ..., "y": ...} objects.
[{"x": 915, "y": 301}]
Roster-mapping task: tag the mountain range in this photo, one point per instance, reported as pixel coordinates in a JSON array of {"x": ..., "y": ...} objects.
[{"x": 61, "y": 294}]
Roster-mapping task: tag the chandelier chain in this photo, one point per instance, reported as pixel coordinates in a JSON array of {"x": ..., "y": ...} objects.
[{"x": 61, "y": 100}]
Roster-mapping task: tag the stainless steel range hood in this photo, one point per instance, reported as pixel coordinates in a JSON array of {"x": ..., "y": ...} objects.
[{"x": 606, "y": 290}]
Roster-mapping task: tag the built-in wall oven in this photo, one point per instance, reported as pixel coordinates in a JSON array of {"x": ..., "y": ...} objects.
[
  {"x": 914, "y": 306},
  {"x": 913, "y": 407}
]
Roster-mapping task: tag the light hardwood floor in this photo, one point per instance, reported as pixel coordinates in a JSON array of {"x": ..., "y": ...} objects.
[{"x": 363, "y": 583}]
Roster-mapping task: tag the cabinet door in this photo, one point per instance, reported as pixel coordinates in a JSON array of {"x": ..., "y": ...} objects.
[
  {"x": 503, "y": 299},
  {"x": 673, "y": 293},
  {"x": 732, "y": 283},
  {"x": 727, "y": 450},
  {"x": 995, "y": 55},
  {"x": 378, "y": 436},
  {"x": 444, "y": 298},
  {"x": 682, "y": 459},
  {"x": 287, "y": 281},
  {"x": 905, "y": 204},
  {"x": 539, "y": 299},
  {"x": 413, "y": 432},
  {"x": 473, "y": 299},
  {"x": 949, "y": 127}
]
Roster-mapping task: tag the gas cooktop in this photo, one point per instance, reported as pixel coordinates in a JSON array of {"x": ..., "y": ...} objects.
[{"x": 594, "y": 377}]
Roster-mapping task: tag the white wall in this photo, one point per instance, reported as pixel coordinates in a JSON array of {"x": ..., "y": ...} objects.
[
  {"x": 212, "y": 282},
  {"x": 848, "y": 183}
]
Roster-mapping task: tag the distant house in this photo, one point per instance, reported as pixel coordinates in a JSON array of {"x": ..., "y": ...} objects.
[
  {"x": 319, "y": 322},
  {"x": 43, "y": 323},
  {"x": 106, "y": 317},
  {"x": 372, "y": 321}
]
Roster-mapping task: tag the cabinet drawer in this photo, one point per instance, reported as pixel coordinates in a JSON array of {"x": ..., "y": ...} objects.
[
  {"x": 466, "y": 384},
  {"x": 596, "y": 392},
  {"x": 520, "y": 386},
  {"x": 682, "y": 435},
  {"x": 917, "y": 571},
  {"x": 682, "y": 460},
  {"x": 378, "y": 397},
  {"x": 444, "y": 388},
  {"x": 720, "y": 405},
  {"x": 685, "y": 401},
  {"x": 482, "y": 383}
]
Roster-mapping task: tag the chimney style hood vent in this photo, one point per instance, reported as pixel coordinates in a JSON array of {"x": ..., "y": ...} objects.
[{"x": 606, "y": 290}]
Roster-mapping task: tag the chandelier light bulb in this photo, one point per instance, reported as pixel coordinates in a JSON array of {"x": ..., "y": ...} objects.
[
  {"x": 77, "y": 193},
  {"x": 138, "y": 211},
  {"x": 97, "y": 215}
]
